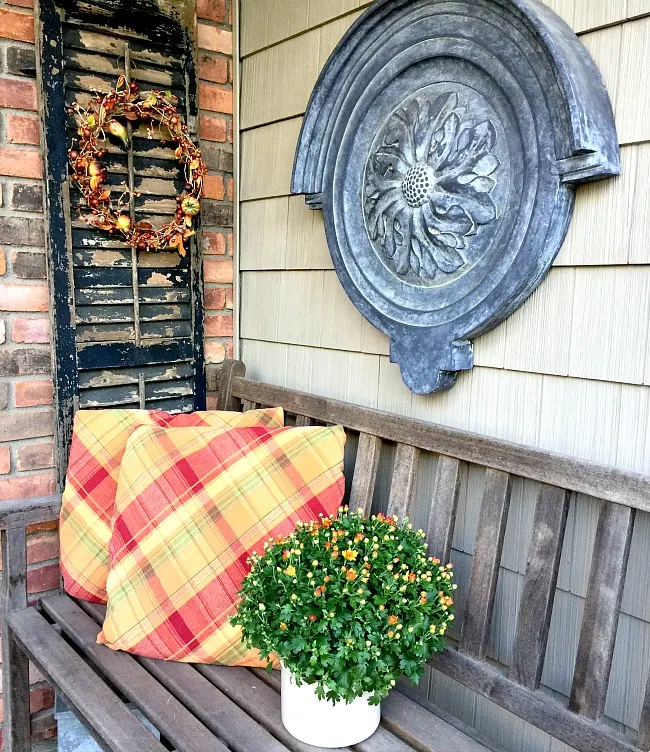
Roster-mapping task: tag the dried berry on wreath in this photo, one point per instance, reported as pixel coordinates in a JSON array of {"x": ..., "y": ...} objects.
[{"x": 100, "y": 209}]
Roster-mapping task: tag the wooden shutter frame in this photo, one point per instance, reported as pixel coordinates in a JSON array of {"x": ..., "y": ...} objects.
[{"x": 146, "y": 20}]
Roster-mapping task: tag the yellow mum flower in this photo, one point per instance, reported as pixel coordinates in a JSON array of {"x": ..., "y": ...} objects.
[
  {"x": 350, "y": 555},
  {"x": 290, "y": 571}
]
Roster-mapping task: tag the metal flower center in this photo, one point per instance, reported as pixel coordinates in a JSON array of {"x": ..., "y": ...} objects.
[{"x": 418, "y": 184}]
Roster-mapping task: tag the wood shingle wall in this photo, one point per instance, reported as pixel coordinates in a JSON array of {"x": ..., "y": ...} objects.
[{"x": 569, "y": 372}]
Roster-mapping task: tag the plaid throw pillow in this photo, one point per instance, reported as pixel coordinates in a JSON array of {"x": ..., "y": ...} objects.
[
  {"x": 192, "y": 506},
  {"x": 98, "y": 443}
]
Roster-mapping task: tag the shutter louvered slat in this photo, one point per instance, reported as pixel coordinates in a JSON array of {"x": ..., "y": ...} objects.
[{"x": 133, "y": 312}]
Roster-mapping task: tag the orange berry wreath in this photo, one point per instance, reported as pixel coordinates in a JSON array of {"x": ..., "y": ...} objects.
[{"x": 103, "y": 115}]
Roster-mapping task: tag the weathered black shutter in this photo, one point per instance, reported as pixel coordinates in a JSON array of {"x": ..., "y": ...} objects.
[{"x": 128, "y": 324}]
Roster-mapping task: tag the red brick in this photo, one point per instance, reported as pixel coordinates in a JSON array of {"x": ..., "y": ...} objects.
[
  {"x": 41, "y": 698},
  {"x": 18, "y": 26},
  {"x": 39, "y": 456},
  {"x": 230, "y": 131},
  {"x": 20, "y": 163},
  {"x": 34, "y": 331},
  {"x": 21, "y": 3},
  {"x": 218, "y": 326},
  {"x": 230, "y": 187},
  {"x": 214, "y": 39},
  {"x": 27, "y": 486},
  {"x": 229, "y": 298},
  {"x": 43, "y": 578},
  {"x": 40, "y": 526},
  {"x": 24, "y": 297},
  {"x": 229, "y": 349},
  {"x": 22, "y": 129},
  {"x": 33, "y": 393},
  {"x": 211, "y": 10},
  {"x": 213, "y": 128},
  {"x": 21, "y": 95},
  {"x": 213, "y": 187},
  {"x": 214, "y": 298},
  {"x": 217, "y": 270},
  {"x": 5, "y": 460},
  {"x": 26, "y": 424},
  {"x": 42, "y": 547},
  {"x": 215, "y": 352},
  {"x": 3, "y": 263},
  {"x": 214, "y": 243},
  {"x": 214, "y": 98},
  {"x": 213, "y": 68}
]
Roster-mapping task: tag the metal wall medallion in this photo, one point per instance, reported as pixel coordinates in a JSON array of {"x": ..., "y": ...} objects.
[{"x": 443, "y": 142}]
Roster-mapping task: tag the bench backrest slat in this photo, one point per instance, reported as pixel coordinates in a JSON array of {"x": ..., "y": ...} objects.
[
  {"x": 365, "y": 472},
  {"x": 444, "y": 504},
  {"x": 402, "y": 487},
  {"x": 602, "y": 610},
  {"x": 484, "y": 573},
  {"x": 538, "y": 595},
  {"x": 643, "y": 741},
  {"x": 517, "y": 686}
]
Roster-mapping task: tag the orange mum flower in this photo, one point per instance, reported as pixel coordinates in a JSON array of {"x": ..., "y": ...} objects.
[
  {"x": 392, "y": 620},
  {"x": 286, "y": 554},
  {"x": 326, "y": 522},
  {"x": 351, "y": 575},
  {"x": 423, "y": 600},
  {"x": 390, "y": 633},
  {"x": 358, "y": 537},
  {"x": 283, "y": 626},
  {"x": 412, "y": 577},
  {"x": 312, "y": 617}
]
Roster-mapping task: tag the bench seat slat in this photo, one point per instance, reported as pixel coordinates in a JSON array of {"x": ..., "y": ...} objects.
[
  {"x": 538, "y": 594},
  {"x": 484, "y": 573},
  {"x": 381, "y": 741},
  {"x": 365, "y": 472},
  {"x": 602, "y": 610},
  {"x": 261, "y": 702},
  {"x": 444, "y": 504},
  {"x": 161, "y": 708},
  {"x": 110, "y": 722},
  {"x": 216, "y": 710},
  {"x": 422, "y": 729}
]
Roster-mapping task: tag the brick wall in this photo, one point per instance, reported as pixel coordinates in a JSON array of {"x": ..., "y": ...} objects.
[
  {"x": 26, "y": 417},
  {"x": 215, "y": 71}
]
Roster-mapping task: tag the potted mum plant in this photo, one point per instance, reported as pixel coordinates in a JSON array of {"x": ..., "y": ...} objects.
[{"x": 348, "y": 604}]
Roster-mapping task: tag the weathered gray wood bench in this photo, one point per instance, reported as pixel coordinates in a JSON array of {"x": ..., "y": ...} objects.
[{"x": 200, "y": 708}]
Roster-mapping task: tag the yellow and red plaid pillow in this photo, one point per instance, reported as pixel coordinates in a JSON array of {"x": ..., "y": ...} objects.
[
  {"x": 191, "y": 507},
  {"x": 98, "y": 443}
]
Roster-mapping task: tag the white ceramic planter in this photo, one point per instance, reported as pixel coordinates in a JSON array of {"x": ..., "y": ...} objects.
[{"x": 322, "y": 723}]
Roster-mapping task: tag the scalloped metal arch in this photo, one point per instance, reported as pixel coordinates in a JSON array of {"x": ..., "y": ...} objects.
[{"x": 516, "y": 67}]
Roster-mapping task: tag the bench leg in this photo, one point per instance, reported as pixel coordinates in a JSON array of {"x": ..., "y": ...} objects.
[
  {"x": 15, "y": 695},
  {"x": 15, "y": 664}
]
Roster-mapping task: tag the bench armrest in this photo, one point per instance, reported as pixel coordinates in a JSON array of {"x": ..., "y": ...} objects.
[{"x": 24, "y": 512}]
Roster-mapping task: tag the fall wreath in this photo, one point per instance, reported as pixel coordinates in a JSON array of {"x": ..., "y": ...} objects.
[{"x": 98, "y": 207}]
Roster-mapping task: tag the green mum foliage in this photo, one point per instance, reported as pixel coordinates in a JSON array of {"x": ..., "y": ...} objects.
[{"x": 348, "y": 604}]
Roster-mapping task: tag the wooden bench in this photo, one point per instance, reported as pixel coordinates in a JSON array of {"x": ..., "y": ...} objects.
[{"x": 200, "y": 708}]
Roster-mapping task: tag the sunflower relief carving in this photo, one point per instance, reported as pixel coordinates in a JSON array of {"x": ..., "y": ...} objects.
[{"x": 427, "y": 186}]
